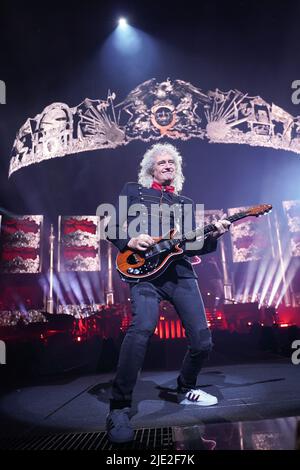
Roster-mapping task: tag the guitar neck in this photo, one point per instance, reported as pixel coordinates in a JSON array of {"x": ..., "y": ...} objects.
[{"x": 210, "y": 227}]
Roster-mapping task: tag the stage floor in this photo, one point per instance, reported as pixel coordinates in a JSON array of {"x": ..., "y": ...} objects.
[{"x": 246, "y": 393}]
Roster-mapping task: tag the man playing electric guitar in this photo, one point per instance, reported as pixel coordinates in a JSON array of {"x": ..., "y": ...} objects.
[{"x": 160, "y": 183}]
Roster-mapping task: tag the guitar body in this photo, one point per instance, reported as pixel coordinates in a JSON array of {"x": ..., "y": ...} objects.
[{"x": 146, "y": 265}]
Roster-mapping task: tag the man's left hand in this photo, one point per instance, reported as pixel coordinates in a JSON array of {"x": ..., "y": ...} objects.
[{"x": 222, "y": 226}]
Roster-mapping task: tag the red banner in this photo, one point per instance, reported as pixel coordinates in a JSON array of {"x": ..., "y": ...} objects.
[
  {"x": 21, "y": 244},
  {"x": 79, "y": 248}
]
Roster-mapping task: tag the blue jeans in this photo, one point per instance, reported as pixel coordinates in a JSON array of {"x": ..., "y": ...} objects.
[{"x": 184, "y": 294}]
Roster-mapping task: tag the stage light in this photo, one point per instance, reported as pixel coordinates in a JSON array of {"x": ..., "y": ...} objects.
[
  {"x": 127, "y": 43},
  {"x": 122, "y": 22}
]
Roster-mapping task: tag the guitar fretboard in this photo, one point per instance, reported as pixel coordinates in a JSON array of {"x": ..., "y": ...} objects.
[{"x": 189, "y": 236}]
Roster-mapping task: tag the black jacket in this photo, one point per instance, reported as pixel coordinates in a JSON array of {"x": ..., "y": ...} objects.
[{"x": 138, "y": 194}]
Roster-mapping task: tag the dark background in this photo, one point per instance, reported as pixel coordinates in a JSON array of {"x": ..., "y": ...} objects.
[{"x": 63, "y": 51}]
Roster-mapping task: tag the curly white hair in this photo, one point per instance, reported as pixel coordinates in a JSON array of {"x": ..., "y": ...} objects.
[{"x": 145, "y": 177}]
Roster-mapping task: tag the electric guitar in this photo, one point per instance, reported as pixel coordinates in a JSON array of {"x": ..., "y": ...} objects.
[{"x": 135, "y": 265}]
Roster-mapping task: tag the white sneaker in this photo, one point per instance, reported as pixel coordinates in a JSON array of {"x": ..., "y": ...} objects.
[{"x": 198, "y": 397}]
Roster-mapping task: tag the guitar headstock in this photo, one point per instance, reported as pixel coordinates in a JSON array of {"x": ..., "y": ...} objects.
[{"x": 259, "y": 210}]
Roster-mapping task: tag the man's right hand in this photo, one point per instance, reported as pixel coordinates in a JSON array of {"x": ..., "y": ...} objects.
[{"x": 142, "y": 242}]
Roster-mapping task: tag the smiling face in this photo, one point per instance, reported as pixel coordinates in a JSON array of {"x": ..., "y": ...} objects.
[{"x": 164, "y": 169}]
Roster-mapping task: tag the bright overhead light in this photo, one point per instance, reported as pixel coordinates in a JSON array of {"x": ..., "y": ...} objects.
[{"x": 122, "y": 22}]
